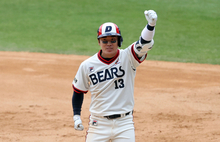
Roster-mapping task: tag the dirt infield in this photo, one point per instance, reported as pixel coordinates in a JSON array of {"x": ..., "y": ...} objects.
[{"x": 174, "y": 102}]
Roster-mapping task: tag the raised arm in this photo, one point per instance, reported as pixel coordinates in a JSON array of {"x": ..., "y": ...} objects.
[{"x": 145, "y": 42}]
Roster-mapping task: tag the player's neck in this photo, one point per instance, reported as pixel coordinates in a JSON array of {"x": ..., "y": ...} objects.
[{"x": 105, "y": 57}]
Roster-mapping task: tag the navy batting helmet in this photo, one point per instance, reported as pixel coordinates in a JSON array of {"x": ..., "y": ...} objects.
[{"x": 110, "y": 29}]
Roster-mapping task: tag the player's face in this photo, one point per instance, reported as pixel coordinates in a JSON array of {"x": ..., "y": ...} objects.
[{"x": 109, "y": 46}]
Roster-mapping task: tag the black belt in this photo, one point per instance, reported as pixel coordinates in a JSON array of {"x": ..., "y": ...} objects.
[{"x": 114, "y": 116}]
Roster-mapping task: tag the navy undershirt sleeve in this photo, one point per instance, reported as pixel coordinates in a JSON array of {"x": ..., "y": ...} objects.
[{"x": 77, "y": 101}]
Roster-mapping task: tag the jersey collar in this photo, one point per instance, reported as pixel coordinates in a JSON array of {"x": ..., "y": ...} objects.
[{"x": 107, "y": 61}]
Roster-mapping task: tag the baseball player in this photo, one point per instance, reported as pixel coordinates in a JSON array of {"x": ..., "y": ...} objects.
[{"x": 109, "y": 76}]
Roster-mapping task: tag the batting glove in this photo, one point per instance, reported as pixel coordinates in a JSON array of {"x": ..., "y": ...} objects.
[
  {"x": 78, "y": 123},
  {"x": 151, "y": 17}
]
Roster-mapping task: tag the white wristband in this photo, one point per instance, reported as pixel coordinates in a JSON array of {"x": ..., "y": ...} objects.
[{"x": 147, "y": 34}]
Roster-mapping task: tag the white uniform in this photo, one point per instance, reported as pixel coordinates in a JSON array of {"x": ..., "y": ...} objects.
[{"x": 111, "y": 83}]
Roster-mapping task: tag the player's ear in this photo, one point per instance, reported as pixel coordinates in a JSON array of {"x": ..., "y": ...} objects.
[{"x": 99, "y": 41}]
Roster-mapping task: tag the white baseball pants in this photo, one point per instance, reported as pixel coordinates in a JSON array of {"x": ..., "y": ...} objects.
[{"x": 111, "y": 130}]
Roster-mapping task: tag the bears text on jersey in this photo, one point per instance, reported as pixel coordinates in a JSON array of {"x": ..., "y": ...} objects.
[{"x": 106, "y": 74}]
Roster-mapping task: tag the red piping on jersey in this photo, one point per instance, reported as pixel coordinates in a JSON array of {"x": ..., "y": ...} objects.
[
  {"x": 78, "y": 90},
  {"x": 107, "y": 61},
  {"x": 135, "y": 56}
]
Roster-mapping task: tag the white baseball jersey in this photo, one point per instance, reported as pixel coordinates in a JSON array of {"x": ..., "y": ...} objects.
[{"x": 111, "y": 83}]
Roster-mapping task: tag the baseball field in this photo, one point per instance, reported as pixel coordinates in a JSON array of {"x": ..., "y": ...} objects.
[{"x": 43, "y": 42}]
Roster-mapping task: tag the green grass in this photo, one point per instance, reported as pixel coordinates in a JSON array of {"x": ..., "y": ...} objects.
[{"x": 186, "y": 31}]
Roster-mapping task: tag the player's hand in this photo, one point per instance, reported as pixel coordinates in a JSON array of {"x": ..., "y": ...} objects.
[
  {"x": 151, "y": 17},
  {"x": 78, "y": 123}
]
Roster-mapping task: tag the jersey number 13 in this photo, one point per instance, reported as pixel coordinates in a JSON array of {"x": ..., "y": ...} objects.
[{"x": 119, "y": 83}]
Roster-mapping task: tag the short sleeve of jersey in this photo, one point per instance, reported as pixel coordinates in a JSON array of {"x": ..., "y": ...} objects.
[
  {"x": 81, "y": 81},
  {"x": 135, "y": 62}
]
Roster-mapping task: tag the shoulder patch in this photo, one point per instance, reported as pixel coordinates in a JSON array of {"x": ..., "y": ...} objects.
[{"x": 75, "y": 80}]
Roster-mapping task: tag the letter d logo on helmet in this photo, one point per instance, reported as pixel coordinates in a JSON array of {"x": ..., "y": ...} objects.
[{"x": 110, "y": 29}]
